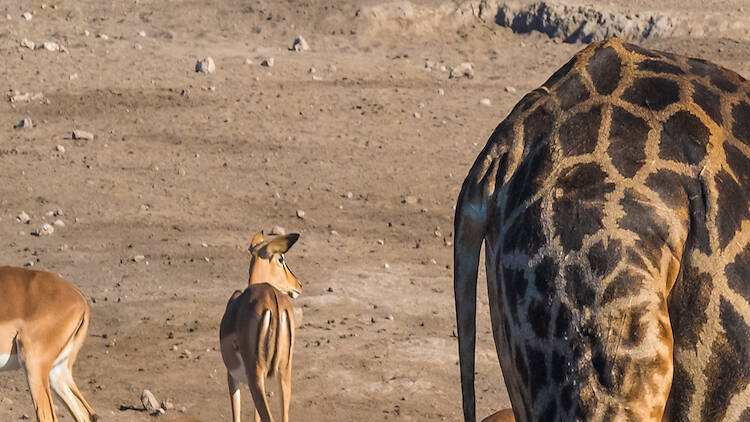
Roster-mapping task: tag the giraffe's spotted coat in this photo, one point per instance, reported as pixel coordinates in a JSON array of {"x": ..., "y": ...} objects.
[{"x": 617, "y": 226}]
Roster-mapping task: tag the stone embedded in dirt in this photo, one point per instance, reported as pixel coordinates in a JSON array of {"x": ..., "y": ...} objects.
[
  {"x": 380, "y": 242},
  {"x": 139, "y": 258},
  {"x": 349, "y": 195},
  {"x": 411, "y": 200},
  {"x": 24, "y": 124},
  {"x": 45, "y": 230},
  {"x": 142, "y": 33},
  {"x": 268, "y": 62},
  {"x": 441, "y": 91},
  {"x": 278, "y": 230},
  {"x": 205, "y": 65},
  {"x": 300, "y": 214},
  {"x": 102, "y": 36},
  {"x": 386, "y": 266},
  {"x": 389, "y": 317},
  {"x": 248, "y": 61},
  {"x": 509, "y": 89},
  {"x": 50, "y": 46},
  {"x": 167, "y": 405},
  {"x": 28, "y": 16},
  {"x": 28, "y": 44},
  {"x": 149, "y": 402},
  {"x": 59, "y": 223},
  {"x": 83, "y": 135},
  {"x": 23, "y": 217},
  {"x": 299, "y": 44},
  {"x": 464, "y": 70},
  {"x": 20, "y": 98},
  {"x": 417, "y": 115},
  {"x": 485, "y": 102}
]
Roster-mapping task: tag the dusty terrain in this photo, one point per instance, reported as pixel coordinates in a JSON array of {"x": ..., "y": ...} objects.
[{"x": 185, "y": 167}]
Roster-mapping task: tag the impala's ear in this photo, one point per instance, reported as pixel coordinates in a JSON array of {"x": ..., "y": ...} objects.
[
  {"x": 280, "y": 244},
  {"x": 257, "y": 240}
]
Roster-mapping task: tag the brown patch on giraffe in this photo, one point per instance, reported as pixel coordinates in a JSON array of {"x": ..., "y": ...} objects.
[
  {"x": 626, "y": 283},
  {"x": 709, "y": 101},
  {"x": 537, "y": 361},
  {"x": 514, "y": 283},
  {"x": 627, "y": 142},
  {"x": 640, "y": 50},
  {"x": 579, "y": 133},
  {"x": 640, "y": 218},
  {"x": 658, "y": 66},
  {"x": 560, "y": 73},
  {"x": 691, "y": 295},
  {"x": 578, "y": 287},
  {"x": 579, "y": 211},
  {"x": 684, "y": 138},
  {"x": 728, "y": 369},
  {"x": 572, "y": 92},
  {"x": 604, "y": 260},
  {"x": 741, "y": 124},
  {"x": 652, "y": 93},
  {"x": 539, "y": 318},
  {"x": 529, "y": 176},
  {"x": 562, "y": 322},
  {"x": 526, "y": 232},
  {"x": 719, "y": 77},
  {"x": 680, "y": 395},
  {"x": 669, "y": 185},
  {"x": 731, "y": 208},
  {"x": 604, "y": 67},
  {"x": 738, "y": 273},
  {"x": 739, "y": 165}
]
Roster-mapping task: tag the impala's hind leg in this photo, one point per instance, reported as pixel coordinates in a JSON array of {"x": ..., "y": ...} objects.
[
  {"x": 37, "y": 375},
  {"x": 257, "y": 382},
  {"x": 234, "y": 396},
  {"x": 285, "y": 386}
]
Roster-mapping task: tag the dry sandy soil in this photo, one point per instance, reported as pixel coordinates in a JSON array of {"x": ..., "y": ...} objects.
[{"x": 185, "y": 167}]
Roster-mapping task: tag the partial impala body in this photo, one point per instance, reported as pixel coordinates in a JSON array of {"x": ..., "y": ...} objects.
[
  {"x": 257, "y": 330},
  {"x": 505, "y": 415},
  {"x": 43, "y": 324}
]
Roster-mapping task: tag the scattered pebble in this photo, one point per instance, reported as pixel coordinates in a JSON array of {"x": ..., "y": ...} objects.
[
  {"x": 28, "y": 16},
  {"x": 349, "y": 195},
  {"x": 510, "y": 89},
  {"x": 45, "y": 230},
  {"x": 59, "y": 223},
  {"x": 386, "y": 266},
  {"x": 267, "y": 62},
  {"x": 278, "y": 230},
  {"x": 139, "y": 258},
  {"x": 441, "y": 91},
  {"x": 102, "y": 36},
  {"x": 28, "y": 44},
  {"x": 417, "y": 115},
  {"x": 24, "y": 124},
  {"x": 50, "y": 46},
  {"x": 299, "y": 44},
  {"x": 86, "y": 33},
  {"x": 411, "y": 200},
  {"x": 485, "y": 102},
  {"x": 23, "y": 217},
  {"x": 73, "y": 76},
  {"x": 311, "y": 70},
  {"x": 205, "y": 65},
  {"x": 142, "y": 33},
  {"x": 464, "y": 70},
  {"x": 83, "y": 135},
  {"x": 380, "y": 242},
  {"x": 149, "y": 402},
  {"x": 248, "y": 61},
  {"x": 300, "y": 214},
  {"x": 389, "y": 317}
]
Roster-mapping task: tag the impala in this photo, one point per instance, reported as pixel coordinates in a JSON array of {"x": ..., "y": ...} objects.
[
  {"x": 257, "y": 330},
  {"x": 43, "y": 324}
]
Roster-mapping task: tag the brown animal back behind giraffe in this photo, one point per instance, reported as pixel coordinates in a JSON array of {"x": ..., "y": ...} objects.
[{"x": 613, "y": 203}]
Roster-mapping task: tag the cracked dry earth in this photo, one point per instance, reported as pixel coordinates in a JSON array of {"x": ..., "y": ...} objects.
[{"x": 185, "y": 167}]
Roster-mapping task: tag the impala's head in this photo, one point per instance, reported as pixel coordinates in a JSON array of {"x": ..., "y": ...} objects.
[{"x": 267, "y": 264}]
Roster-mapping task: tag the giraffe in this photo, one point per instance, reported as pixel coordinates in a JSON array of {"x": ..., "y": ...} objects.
[{"x": 613, "y": 207}]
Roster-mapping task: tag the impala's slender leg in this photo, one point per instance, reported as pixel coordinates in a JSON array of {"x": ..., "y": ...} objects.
[
  {"x": 285, "y": 384},
  {"x": 234, "y": 396},
  {"x": 37, "y": 376},
  {"x": 257, "y": 383},
  {"x": 60, "y": 380}
]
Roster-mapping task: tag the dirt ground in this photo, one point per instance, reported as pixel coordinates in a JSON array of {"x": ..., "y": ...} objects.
[{"x": 185, "y": 167}]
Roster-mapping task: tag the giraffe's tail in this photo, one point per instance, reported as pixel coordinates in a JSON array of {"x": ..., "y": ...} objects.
[{"x": 470, "y": 226}]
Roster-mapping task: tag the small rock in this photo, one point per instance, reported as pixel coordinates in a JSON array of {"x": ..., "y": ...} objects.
[
  {"x": 167, "y": 405},
  {"x": 441, "y": 91},
  {"x": 9, "y": 17},
  {"x": 142, "y": 33},
  {"x": 248, "y": 61},
  {"x": 299, "y": 44},
  {"x": 389, "y": 317},
  {"x": 411, "y": 200},
  {"x": 45, "y": 230},
  {"x": 300, "y": 214},
  {"x": 278, "y": 230},
  {"x": 23, "y": 217},
  {"x": 86, "y": 33},
  {"x": 510, "y": 89},
  {"x": 60, "y": 149},
  {"x": 24, "y": 124},
  {"x": 267, "y": 62},
  {"x": 311, "y": 70},
  {"x": 386, "y": 266},
  {"x": 317, "y": 78},
  {"x": 83, "y": 135},
  {"x": 20, "y": 98},
  {"x": 28, "y": 16},
  {"x": 73, "y": 77},
  {"x": 139, "y": 258},
  {"x": 349, "y": 195},
  {"x": 485, "y": 102},
  {"x": 205, "y": 65},
  {"x": 102, "y": 36},
  {"x": 181, "y": 172},
  {"x": 417, "y": 115},
  {"x": 334, "y": 233},
  {"x": 149, "y": 402},
  {"x": 464, "y": 70},
  {"x": 380, "y": 242},
  {"x": 28, "y": 44},
  {"x": 59, "y": 223},
  {"x": 58, "y": 213},
  {"x": 50, "y": 46}
]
